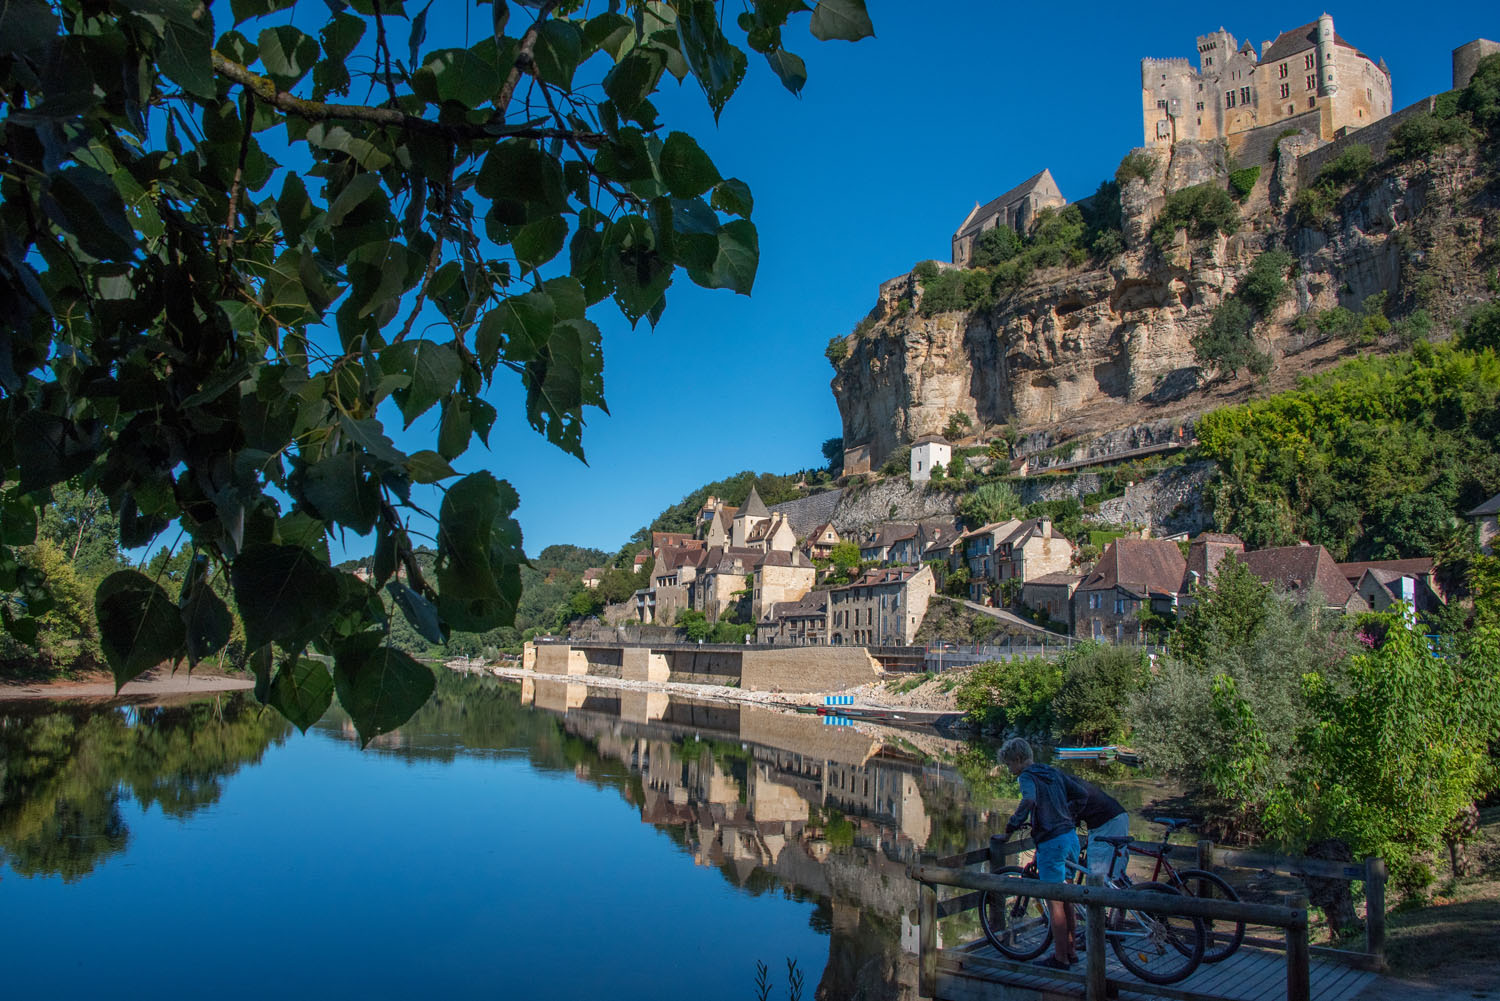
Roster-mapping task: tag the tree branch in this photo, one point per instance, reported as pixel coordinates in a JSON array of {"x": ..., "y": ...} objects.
[
  {"x": 385, "y": 50},
  {"x": 523, "y": 56},
  {"x": 318, "y": 111}
]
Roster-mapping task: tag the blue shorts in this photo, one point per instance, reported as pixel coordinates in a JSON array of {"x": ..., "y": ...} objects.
[{"x": 1053, "y": 855}]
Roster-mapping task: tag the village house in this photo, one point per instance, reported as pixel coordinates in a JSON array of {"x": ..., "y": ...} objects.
[
  {"x": 877, "y": 545},
  {"x": 716, "y": 523},
  {"x": 593, "y": 577},
  {"x": 883, "y": 607},
  {"x": 1017, "y": 209},
  {"x": 1486, "y": 519},
  {"x": 1052, "y": 595},
  {"x": 796, "y": 623},
  {"x": 926, "y": 452},
  {"x": 1031, "y": 550},
  {"x": 935, "y": 537},
  {"x": 724, "y": 581},
  {"x": 1205, "y": 553},
  {"x": 772, "y": 535},
  {"x": 1384, "y": 590},
  {"x": 978, "y": 555},
  {"x": 1132, "y": 574},
  {"x": 678, "y": 540},
  {"x": 777, "y": 577},
  {"x": 820, "y": 542},
  {"x": 1304, "y": 571}
]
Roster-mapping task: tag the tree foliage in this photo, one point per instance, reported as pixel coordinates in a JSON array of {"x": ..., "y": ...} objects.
[
  {"x": 213, "y": 269},
  {"x": 1203, "y": 210},
  {"x": 988, "y": 503}
]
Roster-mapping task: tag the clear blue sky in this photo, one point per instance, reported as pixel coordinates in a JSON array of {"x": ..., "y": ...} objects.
[{"x": 892, "y": 142}]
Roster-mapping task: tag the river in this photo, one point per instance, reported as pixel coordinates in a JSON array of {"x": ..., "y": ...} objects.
[{"x": 512, "y": 840}]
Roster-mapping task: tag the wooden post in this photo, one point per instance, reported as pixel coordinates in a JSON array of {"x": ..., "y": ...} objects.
[
  {"x": 1298, "y": 985},
  {"x": 1375, "y": 909},
  {"x": 927, "y": 949},
  {"x": 1094, "y": 934},
  {"x": 1206, "y": 855}
]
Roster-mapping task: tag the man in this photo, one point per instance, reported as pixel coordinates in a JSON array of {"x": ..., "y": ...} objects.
[
  {"x": 1103, "y": 816},
  {"x": 1044, "y": 801}
]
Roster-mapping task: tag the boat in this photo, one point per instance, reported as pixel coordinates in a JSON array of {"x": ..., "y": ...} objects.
[{"x": 1103, "y": 753}]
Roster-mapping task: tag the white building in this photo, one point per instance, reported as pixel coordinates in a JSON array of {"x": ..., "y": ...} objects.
[{"x": 928, "y": 451}]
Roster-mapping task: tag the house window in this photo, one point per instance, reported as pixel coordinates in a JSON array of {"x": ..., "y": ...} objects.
[
  {"x": 1162, "y": 105},
  {"x": 1283, "y": 71},
  {"x": 1286, "y": 90},
  {"x": 1200, "y": 106},
  {"x": 1307, "y": 62},
  {"x": 1095, "y": 599},
  {"x": 1229, "y": 99},
  {"x": 1312, "y": 102},
  {"x": 1119, "y": 606},
  {"x": 1244, "y": 95},
  {"x": 1312, "y": 83}
]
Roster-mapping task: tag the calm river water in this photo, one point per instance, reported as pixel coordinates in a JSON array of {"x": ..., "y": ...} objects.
[{"x": 510, "y": 841}]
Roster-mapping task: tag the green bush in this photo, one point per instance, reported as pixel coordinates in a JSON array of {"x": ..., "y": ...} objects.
[
  {"x": 995, "y": 246},
  {"x": 837, "y": 351},
  {"x": 1202, "y": 210},
  {"x": 898, "y": 463},
  {"x": 1098, "y": 680},
  {"x": 1313, "y": 206},
  {"x": 1423, "y": 135},
  {"x": 1265, "y": 284},
  {"x": 1348, "y": 168},
  {"x": 953, "y": 290},
  {"x": 1242, "y": 182},
  {"x": 1226, "y": 343},
  {"x": 1135, "y": 165},
  {"x": 1012, "y": 695},
  {"x": 959, "y": 424},
  {"x": 1481, "y": 329},
  {"x": 990, "y": 502},
  {"x": 1481, "y": 98}
]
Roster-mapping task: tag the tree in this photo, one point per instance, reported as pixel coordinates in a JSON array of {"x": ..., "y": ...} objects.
[
  {"x": 1226, "y": 343},
  {"x": 989, "y": 503},
  {"x": 833, "y": 452},
  {"x": 80, "y": 523},
  {"x": 213, "y": 337}
]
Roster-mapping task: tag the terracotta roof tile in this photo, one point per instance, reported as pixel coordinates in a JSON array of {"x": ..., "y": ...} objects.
[
  {"x": 1300, "y": 569},
  {"x": 1141, "y": 566}
]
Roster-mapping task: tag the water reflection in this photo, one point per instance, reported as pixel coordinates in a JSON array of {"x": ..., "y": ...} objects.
[{"x": 65, "y": 770}]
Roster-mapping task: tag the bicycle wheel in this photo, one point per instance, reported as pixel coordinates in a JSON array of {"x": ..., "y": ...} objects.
[
  {"x": 1017, "y": 926},
  {"x": 1158, "y": 948},
  {"x": 1222, "y": 938}
]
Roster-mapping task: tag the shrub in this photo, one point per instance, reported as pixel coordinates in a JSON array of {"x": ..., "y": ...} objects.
[
  {"x": 938, "y": 472},
  {"x": 1423, "y": 135},
  {"x": 1264, "y": 285},
  {"x": 957, "y": 584},
  {"x": 953, "y": 290},
  {"x": 1202, "y": 210},
  {"x": 1481, "y": 98},
  {"x": 1014, "y": 695},
  {"x": 988, "y": 503},
  {"x": 1242, "y": 182},
  {"x": 1312, "y": 206},
  {"x": 1348, "y": 168},
  {"x": 1135, "y": 165},
  {"x": 1226, "y": 343},
  {"x": 959, "y": 423},
  {"x": 1482, "y": 329},
  {"x": 1414, "y": 328},
  {"x": 898, "y": 463},
  {"x": 1098, "y": 680},
  {"x": 996, "y": 245},
  {"x": 837, "y": 350}
]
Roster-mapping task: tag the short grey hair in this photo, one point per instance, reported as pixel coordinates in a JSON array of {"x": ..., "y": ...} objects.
[{"x": 1016, "y": 751}]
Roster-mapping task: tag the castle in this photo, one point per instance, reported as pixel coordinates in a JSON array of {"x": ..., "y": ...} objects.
[{"x": 1310, "y": 69}]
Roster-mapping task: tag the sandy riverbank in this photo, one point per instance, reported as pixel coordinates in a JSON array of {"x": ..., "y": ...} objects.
[{"x": 153, "y": 684}]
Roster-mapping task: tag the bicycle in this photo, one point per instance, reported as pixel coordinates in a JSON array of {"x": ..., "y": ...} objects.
[
  {"x": 1222, "y": 941},
  {"x": 1157, "y": 948}
]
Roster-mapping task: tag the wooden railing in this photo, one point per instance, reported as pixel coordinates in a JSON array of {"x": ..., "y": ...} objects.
[{"x": 1095, "y": 897}]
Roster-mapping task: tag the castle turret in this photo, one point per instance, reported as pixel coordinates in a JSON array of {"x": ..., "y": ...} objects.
[{"x": 1328, "y": 84}]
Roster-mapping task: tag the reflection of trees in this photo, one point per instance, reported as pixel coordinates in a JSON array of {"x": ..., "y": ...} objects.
[{"x": 64, "y": 771}]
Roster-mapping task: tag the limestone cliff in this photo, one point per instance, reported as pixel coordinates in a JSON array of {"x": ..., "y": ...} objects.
[{"x": 1114, "y": 340}]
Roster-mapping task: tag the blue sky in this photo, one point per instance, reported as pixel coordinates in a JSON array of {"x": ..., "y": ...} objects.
[{"x": 890, "y": 145}]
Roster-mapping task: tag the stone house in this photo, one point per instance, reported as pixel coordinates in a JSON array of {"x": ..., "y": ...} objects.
[
  {"x": 725, "y": 572},
  {"x": 935, "y": 537},
  {"x": 1304, "y": 571},
  {"x": 1132, "y": 574},
  {"x": 773, "y": 535},
  {"x": 1017, "y": 209},
  {"x": 1422, "y": 570},
  {"x": 883, "y": 607},
  {"x": 593, "y": 577},
  {"x": 716, "y": 523},
  {"x": 1486, "y": 519},
  {"x": 1205, "y": 553},
  {"x": 1032, "y": 550},
  {"x": 1052, "y": 593},
  {"x": 642, "y": 558},
  {"x": 820, "y": 541},
  {"x": 677, "y": 566},
  {"x": 660, "y": 606},
  {"x": 978, "y": 554},
  {"x": 777, "y": 577},
  {"x": 1234, "y": 89},
  {"x": 750, "y": 514},
  {"x": 928, "y": 451},
  {"x": 1384, "y": 590},
  {"x": 663, "y": 540},
  {"x": 879, "y": 544},
  {"x": 796, "y": 623}
]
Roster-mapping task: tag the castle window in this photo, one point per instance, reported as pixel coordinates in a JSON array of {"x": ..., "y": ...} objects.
[
  {"x": 1312, "y": 83},
  {"x": 1283, "y": 70},
  {"x": 1229, "y": 99},
  {"x": 1244, "y": 95},
  {"x": 1291, "y": 109},
  {"x": 1162, "y": 105},
  {"x": 1200, "y": 106},
  {"x": 1286, "y": 90},
  {"x": 1312, "y": 102},
  {"x": 1308, "y": 61}
]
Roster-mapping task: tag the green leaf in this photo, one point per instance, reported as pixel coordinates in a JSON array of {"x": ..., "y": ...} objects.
[
  {"x": 845, "y": 20},
  {"x": 420, "y": 612},
  {"x": 244, "y": 10},
  {"x": 340, "y": 492},
  {"x": 559, "y": 49},
  {"x": 717, "y": 65},
  {"x": 285, "y": 594},
  {"x": 379, "y": 688},
  {"x": 638, "y": 272},
  {"x": 739, "y": 256},
  {"x": 369, "y": 434},
  {"x": 302, "y": 692},
  {"x": 206, "y": 619},
  {"x": 685, "y": 168},
  {"x": 790, "y": 68},
  {"x": 434, "y": 370},
  {"x": 184, "y": 56},
  {"x": 732, "y": 195},
  {"x": 89, "y": 206},
  {"x": 518, "y": 171},
  {"x": 472, "y": 77},
  {"x": 479, "y": 554},
  {"x": 524, "y": 322},
  {"x": 428, "y": 466},
  {"x": 287, "y": 54},
  {"x": 359, "y": 188},
  {"x": 536, "y": 243},
  {"x": 26, "y": 26},
  {"x": 567, "y": 376},
  {"x": 294, "y": 209},
  {"x": 139, "y": 627},
  {"x": 341, "y": 34},
  {"x": 634, "y": 78},
  {"x": 260, "y": 663}
]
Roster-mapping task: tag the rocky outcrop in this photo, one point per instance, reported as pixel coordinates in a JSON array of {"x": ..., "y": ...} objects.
[
  {"x": 893, "y": 499},
  {"x": 1087, "y": 339}
]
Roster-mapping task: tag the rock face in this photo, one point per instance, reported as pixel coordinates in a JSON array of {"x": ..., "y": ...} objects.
[{"x": 1072, "y": 340}]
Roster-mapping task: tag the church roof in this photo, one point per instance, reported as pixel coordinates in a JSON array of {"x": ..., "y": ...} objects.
[
  {"x": 753, "y": 507},
  {"x": 974, "y": 223}
]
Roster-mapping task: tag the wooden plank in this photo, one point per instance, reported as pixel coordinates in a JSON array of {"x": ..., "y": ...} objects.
[
  {"x": 957, "y": 905},
  {"x": 1095, "y": 985},
  {"x": 1298, "y": 986},
  {"x": 927, "y": 949},
  {"x": 974, "y": 857}
]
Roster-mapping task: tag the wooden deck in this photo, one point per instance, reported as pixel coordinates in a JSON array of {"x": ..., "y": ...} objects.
[{"x": 975, "y": 972}]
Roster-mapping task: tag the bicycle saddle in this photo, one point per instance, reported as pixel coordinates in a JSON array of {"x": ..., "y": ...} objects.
[
  {"x": 1172, "y": 822},
  {"x": 1117, "y": 842}
]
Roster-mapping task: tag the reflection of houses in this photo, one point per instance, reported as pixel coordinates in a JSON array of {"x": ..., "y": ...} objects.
[
  {"x": 1131, "y": 575},
  {"x": 883, "y": 607}
]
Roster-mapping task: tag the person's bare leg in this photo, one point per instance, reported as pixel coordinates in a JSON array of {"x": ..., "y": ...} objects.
[
  {"x": 1062, "y": 941},
  {"x": 1072, "y": 916}
]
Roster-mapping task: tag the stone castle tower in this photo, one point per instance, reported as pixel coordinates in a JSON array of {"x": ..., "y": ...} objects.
[{"x": 1309, "y": 73}]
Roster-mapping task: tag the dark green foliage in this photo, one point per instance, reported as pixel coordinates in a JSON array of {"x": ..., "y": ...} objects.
[
  {"x": 681, "y": 517},
  {"x": 1135, "y": 165},
  {"x": 199, "y": 334},
  {"x": 1343, "y": 460},
  {"x": 1203, "y": 210},
  {"x": 996, "y": 246},
  {"x": 1242, "y": 182},
  {"x": 1014, "y": 696},
  {"x": 959, "y": 424},
  {"x": 1423, "y": 135},
  {"x": 837, "y": 350},
  {"x": 1098, "y": 681},
  {"x": 1481, "y": 329},
  {"x": 1313, "y": 205},
  {"x": 833, "y": 453},
  {"x": 990, "y": 502},
  {"x": 1264, "y": 285},
  {"x": 898, "y": 463},
  {"x": 949, "y": 290},
  {"x": 1481, "y": 98},
  {"x": 1227, "y": 344}
]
